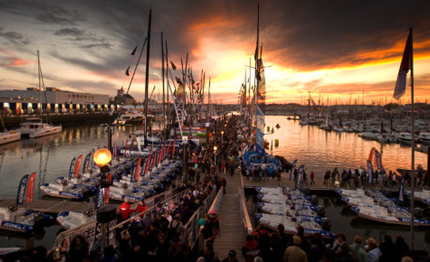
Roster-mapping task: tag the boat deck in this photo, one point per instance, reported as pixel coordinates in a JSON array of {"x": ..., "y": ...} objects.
[{"x": 51, "y": 206}]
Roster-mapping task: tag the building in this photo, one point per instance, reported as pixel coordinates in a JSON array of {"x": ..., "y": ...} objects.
[{"x": 31, "y": 100}]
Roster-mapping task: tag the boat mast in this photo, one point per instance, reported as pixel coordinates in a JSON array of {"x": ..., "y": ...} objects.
[
  {"x": 412, "y": 143},
  {"x": 162, "y": 73},
  {"x": 147, "y": 78}
]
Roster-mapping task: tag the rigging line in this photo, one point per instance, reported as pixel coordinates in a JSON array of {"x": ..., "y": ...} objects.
[{"x": 138, "y": 60}]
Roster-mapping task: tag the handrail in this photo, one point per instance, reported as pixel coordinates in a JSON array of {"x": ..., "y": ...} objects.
[{"x": 243, "y": 209}]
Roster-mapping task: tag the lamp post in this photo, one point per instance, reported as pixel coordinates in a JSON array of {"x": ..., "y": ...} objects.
[
  {"x": 102, "y": 157},
  {"x": 222, "y": 137},
  {"x": 215, "y": 149}
]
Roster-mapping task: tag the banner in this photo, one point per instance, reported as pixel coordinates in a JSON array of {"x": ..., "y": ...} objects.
[
  {"x": 137, "y": 170},
  {"x": 402, "y": 190},
  {"x": 78, "y": 165},
  {"x": 20, "y": 196},
  {"x": 147, "y": 164},
  {"x": 300, "y": 176},
  {"x": 261, "y": 107},
  {"x": 99, "y": 198},
  {"x": 87, "y": 162},
  {"x": 72, "y": 168},
  {"x": 30, "y": 188},
  {"x": 293, "y": 166},
  {"x": 370, "y": 172}
]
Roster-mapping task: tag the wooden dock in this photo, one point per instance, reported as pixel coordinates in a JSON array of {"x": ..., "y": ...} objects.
[
  {"x": 233, "y": 234},
  {"x": 51, "y": 206}
]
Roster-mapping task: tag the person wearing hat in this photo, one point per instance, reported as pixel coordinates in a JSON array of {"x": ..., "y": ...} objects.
[
  {"x": 373, "y": 251},
  {"x": 294, "y": 252},
  {"x": 231, "y": 256}
]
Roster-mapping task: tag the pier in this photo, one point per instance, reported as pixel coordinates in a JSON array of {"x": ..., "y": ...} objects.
[{"x": 51, "y": 206}]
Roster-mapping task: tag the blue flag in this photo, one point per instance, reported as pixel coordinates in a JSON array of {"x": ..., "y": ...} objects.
[
  {"x": 402, "y": 190},
  {"x": 370, "y": 172},
  {"x": 293, "y": 166},
  {"x": 87, "y": 162},
  {"x": 20, "y": 196},
  {"x": 72, "y": 168},
  {"x": 99, "y": 198}
]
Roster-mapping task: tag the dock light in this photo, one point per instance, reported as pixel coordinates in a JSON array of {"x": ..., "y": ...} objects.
[
  {"x": 222, "y": 136},
  {"x": 102, "y": 156},
  {"x": 215, "y": 149}
]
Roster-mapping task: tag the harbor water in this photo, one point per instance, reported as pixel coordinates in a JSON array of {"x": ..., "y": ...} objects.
[{"x": 319, "y": 150}]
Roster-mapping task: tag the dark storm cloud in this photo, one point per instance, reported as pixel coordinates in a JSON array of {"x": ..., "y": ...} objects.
[
  {"x": 14, "y": 37},
  {"x": 69, "y": 32},
  {"x": 101, "y": 45}
]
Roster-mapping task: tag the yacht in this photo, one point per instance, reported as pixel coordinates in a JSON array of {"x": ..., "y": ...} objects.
[
  {"x": 35, "y": 127},
  {"x": 405, "y": 138},
  {"x": 423, "y": 138},
  {"x": 9, "y": 137}
]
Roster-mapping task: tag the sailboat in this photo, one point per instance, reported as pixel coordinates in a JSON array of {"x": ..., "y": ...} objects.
[
  {"x": 35, "y": 127},
  {"x": 8, "y": 136}
]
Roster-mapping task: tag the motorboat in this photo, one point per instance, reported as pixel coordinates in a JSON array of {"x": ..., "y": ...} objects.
[
  {"x": 19, "y": 220},
  {"x": 278, "y": 190},
  {"x": 350, "y": 192},
  {"x": 369, "y": 135},
  {"x": 35, "y": 127},
  {"x": 63, "y": 190},
  {"x": 291, "y": 210},
  {"x": 423, "y": 196},
  {"x": 292, "y": 223},
  {"x": 70, "y": 219},
  {"x": 423, "y": 138},
  {"x": 9, "y": 137},
  {"x": 290, "y": 199},
  {"x": 366, "y": 200},
  {"x": 391, "y": 215},
  {"x": 405, "y": 138}
]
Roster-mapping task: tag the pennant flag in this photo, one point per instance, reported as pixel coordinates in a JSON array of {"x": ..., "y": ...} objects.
[
  {"x": 72, "y": 168},
  {"x": 293, "y": 166},
  {"x": 78, "y": 165},
  {"x": 115, "y": 152},
  {"x": 300, "y": 176},
  {"x": 173, "y": 65},
  {"x": 378, "y": 160},
  {"x": 405, "y": 66},
  {"x": 20, "y": 196},
  {"x": 30, "y": 188},
  {"x": 87, "y": 162},
  {"x": 133, "y": 172},
  {"x": 106, "y": 196},
  {"x": 153, "y": 160},
  {"x": 125, "y": 148},
  {"x": 137, "y": 171},
  {"x": 370, "y": 171},
  {"x": 127, "y": 73},
  {"x": 148, "y": 162},
  {"x": 99, "y": 198},
  {"x": 134, "y": 50},
  {"x": 402, "y": 190}
]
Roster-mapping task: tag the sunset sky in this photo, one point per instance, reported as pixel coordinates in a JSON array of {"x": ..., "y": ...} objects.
[{"x": 333, "y": 49}]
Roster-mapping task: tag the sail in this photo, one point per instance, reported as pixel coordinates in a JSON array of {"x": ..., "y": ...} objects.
[{"x": 261, "y": 107}]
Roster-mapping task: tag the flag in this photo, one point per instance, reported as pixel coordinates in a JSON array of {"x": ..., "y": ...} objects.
[
  {"x": 134, "y": 50},
  {"x": 20, "y": 196},
  {"x": 300, "y": 176},
  {"x": 72, "y": 168},
  {"x": 125, "y": 148},
  {"x": 370, "y": 171},
  {"x": 148, "y": 162},
  {"x": 293, "y": 166},
  {"x": 127, "y": 73},
  {"x": 99, "y": 198},
  {"x": 405, "y": 66},
  {"x": 30, "y": 188},
  {"x": 87, "y": 162},
  {"x": 78, "y": 165},
  {"x": 115, "y": 151},
  {"x": 402, "y": 190},
  {"x": 173, "y": 65},
  {"x": 137, "y": 171}
]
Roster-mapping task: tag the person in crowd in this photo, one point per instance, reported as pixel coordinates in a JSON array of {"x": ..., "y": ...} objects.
[
  {"x": 249, "y": 250},
  {"x": 294, "y": 253},
  {"x": 78, "y": 249},
  {"x": 401, "y": 247},
  {"x": 388, "y": 249},
  {"x": 141, "y": 207},
  {"x": 231, "y": 257},
  {"x": 315, "y": 253},
  {"x": 312, "y": 176},
  {"x": 357, "y": 250},
  {"x": 125, "y": 210},
  {"x": 373, "y": 251}
]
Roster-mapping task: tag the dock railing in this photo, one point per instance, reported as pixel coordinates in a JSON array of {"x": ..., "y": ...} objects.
[{"x": 243, "y": 209}]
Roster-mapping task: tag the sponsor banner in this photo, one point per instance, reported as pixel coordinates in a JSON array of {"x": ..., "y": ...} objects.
[{"x": 20, "y": 196}]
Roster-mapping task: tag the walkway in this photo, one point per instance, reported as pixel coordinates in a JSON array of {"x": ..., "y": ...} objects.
[{"x": 232, "y": 231}]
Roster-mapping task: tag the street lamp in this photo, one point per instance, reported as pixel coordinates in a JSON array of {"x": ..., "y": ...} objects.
[
  {"x": 215, "y": 149},
  {"x": 102, "y": 157},
  {"x": 222, "y": 136}
]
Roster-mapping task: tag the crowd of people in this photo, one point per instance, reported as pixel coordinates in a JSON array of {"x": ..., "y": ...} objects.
[{"x": 263, "y": 245}]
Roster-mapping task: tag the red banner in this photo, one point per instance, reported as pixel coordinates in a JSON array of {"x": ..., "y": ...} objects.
[
  {"x": 148, "y": 161},
  {"x": 78, "y": 165},
  {"x": 30, "y": 188},
  {"x": 137, "y": 172}
]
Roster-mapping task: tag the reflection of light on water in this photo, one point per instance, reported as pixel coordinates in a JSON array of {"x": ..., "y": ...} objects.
[{"x": 320, "y": 150}]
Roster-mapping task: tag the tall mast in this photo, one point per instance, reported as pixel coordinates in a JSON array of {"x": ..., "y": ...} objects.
[
  {"x": 412, "y": 143},
  {"x": 147, "y": 76},
  {"x": 162, "y": 73}
]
